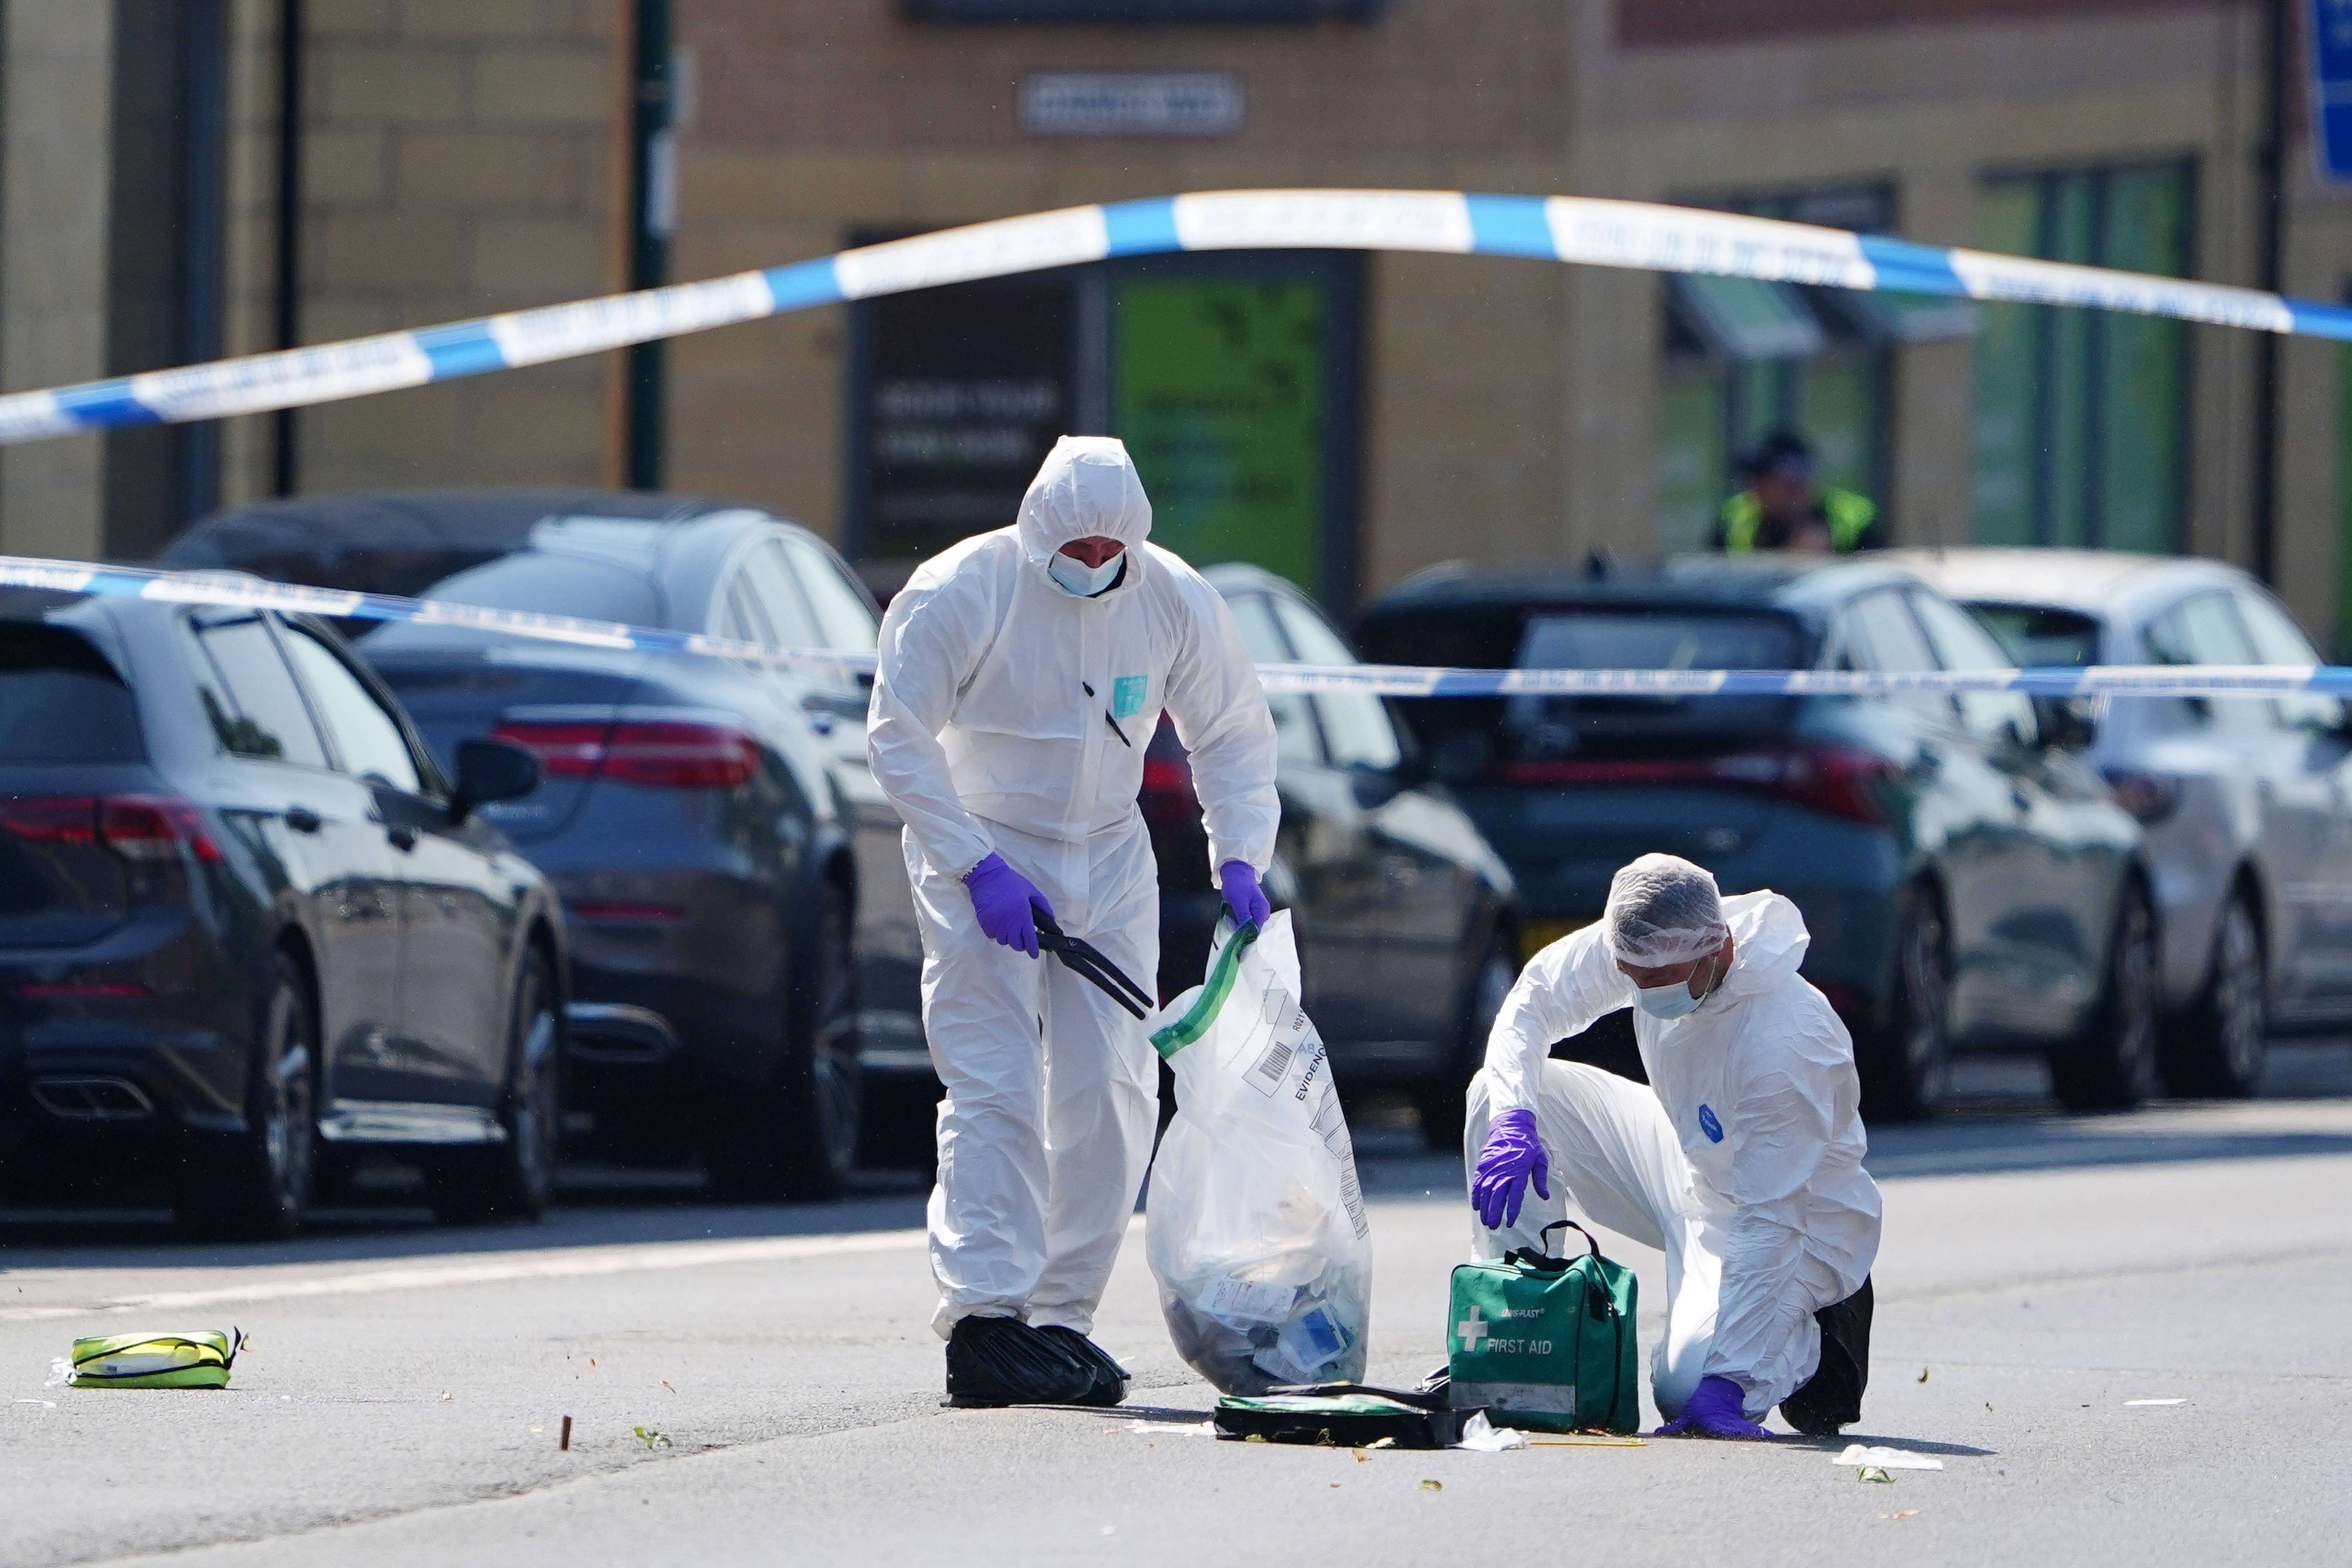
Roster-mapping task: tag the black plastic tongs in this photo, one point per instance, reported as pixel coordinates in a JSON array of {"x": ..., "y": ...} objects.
[{"x": 1083, "y": 957}]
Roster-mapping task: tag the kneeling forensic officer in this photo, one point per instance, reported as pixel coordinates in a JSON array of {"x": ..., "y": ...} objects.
[{"x": 1742, "y": 1163}]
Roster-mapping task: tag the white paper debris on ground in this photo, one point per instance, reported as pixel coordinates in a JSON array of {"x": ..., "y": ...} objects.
[
  {"x": 1173, "y": 1428},
  {"x": 1886, "y": 1459},
  {"x": 61, "y": 1369},
  {"x": 2129, "y": 1403},
  {"x": 1480, "y": 1435}
]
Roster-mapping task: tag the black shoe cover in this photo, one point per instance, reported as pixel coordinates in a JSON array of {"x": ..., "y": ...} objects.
[
  {"x": 1004, "y": 1360},
  {"x": 1109, "y": 1377}
]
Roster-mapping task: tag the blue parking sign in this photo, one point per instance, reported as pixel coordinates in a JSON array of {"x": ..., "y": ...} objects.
[{"x": 2331, "y": 87}]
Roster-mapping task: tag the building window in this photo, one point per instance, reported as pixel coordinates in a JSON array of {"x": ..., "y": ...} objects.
[
  {"x": 1232, "y": 378},
  {"x": 2081, "y": 416},
  {"x": 1747, "y": 358}
]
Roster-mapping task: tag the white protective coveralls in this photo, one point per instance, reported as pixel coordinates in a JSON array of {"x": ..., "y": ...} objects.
[
  {"x": 1742, "y": 1161},
  {"x": 1011, "y": 716}
]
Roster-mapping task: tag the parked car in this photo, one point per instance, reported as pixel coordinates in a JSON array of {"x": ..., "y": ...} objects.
[
  {"x": 2246, "y": 802},
  {"x": 245, "y": 921},
  {"x": 1966, "y": 876},
  {"x": 727, "y": 867},
  {"x": 1407, "y": 921}
]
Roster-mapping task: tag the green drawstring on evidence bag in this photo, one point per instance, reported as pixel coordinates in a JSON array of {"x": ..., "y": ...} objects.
[{"x": 157, "y": 1361}]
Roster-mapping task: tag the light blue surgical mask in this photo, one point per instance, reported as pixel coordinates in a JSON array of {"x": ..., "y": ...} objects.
[
  {"x": 1670, "y": 1001},
  {"x": 1073, "y": 575}
]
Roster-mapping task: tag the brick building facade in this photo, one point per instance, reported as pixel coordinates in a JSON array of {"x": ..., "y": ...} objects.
[{"x": 457, "y": 157}]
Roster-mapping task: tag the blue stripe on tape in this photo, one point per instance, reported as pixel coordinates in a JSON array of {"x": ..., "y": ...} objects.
[
  {"x": 804, "y": 283},
  {"x": 102, "y": 402},
  {"x": 463, "y": 348},
  {"x": 2316, "y": 321},
  {"x": 1511, "y": 226},
  {"x": 1911, "y": 268},
  {"x": 1141, "y": 228}
]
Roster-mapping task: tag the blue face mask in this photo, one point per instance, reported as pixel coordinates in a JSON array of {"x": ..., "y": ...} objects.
[
  {"x": 1670, "y": 1001},
  {"x": 1073, "y": 575}
]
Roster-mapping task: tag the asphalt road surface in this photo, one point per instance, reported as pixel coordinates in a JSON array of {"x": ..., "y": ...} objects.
[{"x": 404, "y": 1390}]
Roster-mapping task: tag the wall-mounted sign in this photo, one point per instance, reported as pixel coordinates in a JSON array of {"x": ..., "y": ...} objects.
[{"x": 1132, "y": 103}]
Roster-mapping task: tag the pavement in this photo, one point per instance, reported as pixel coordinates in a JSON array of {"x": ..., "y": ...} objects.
[{"x": 758, "y": 1384}]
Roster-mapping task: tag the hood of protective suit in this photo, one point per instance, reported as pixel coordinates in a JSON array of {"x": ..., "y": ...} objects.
[
  {"x": 1768, "y": 941},
  {"x": 1086, "y": 488}
]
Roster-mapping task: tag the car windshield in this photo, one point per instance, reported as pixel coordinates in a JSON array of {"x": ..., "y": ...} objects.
[
  {"x": 1473, "y": 737},
  {"x": 556, "y": 584},
  {"x": 60, "y": 701},
  {"x": 2040, "y": 638}
]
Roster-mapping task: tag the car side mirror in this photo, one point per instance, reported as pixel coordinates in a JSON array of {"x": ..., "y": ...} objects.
[
  {"x": 2066, "y": 723},
  {"x": 489, "y": 771}
]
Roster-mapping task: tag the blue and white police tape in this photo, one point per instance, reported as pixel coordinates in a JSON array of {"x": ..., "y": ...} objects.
[
  {"x": 235, "y": 590},
  {"x": 1592, "y": 231}
]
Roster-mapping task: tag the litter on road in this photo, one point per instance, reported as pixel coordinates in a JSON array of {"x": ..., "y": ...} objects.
[
  {"x": 2130, "y": 1403},
  {"x": 1886, "y": 1459},
  {"x": 1480, "y": 1435}
]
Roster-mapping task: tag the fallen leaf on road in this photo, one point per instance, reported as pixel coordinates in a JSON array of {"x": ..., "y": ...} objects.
[
  {"x": 1923, "y": 1374},
  {"x": 1433, "y": 1486},
  {"x": 1874, "y": 1473},
  {"x": 652, "y": 1439},
  {"x": 666, "y": 1385},
  {"x": 1361, "y": 1458},
  {"x": 1906, "y": 1513}
]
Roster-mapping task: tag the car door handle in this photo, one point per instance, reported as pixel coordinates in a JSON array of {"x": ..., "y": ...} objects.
[
  {"x": 302, "y": 819},
  {"x": 402, "y": 838}
]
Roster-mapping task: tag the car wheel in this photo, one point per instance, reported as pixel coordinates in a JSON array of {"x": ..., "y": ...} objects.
[
  {"x": 2219, "y": 1046},
  {"x": 255, "y": 1186},
  {"x": 513, "y": 1179},
  {"x": 795, "y": 1136},
  {"x": 1444, "y": 1100},
  {"x": 2112, "y": 1066},
  {"x": 1907, "y": 1074}
]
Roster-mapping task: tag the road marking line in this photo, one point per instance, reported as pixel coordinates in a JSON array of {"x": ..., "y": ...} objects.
[{"x": 569, "y": 1264}]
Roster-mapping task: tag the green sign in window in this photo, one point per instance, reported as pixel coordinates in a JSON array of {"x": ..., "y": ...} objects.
[{"x": 1218, "y": 388}]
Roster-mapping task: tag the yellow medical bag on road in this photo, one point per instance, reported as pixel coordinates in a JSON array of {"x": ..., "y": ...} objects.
[{"x": 155, "y": 1361}]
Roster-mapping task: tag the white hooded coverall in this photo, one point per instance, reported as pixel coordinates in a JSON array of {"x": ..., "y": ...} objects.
[
  {"x": 1010, "y": 716},
  {"x": 1742, "y": 1161}
]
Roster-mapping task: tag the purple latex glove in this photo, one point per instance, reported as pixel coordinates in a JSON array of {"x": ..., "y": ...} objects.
[
  {"x": 1001, "y": 897},
  {"x": 1718, "y": 1408},
  {"x": 1513, "y": 1155},
  {"x": 1243, "y": 895}
]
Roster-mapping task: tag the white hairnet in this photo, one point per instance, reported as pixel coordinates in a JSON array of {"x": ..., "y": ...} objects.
[
  {"x": 1663, "y": 909},
  {"x": 1086, "y": 488}
]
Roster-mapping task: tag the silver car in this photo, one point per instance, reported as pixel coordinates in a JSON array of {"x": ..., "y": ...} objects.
[{"x": 2247, "y": 802}]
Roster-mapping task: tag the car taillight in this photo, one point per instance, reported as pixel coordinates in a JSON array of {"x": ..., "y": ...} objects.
[
  {"x": 51, "y": 819},
  {"x": 1167, "y": 792},
  {"x": 1838, "y": 780},
  {"x": 568, "y": 749},
  {"x": 665, "y": 753},
  {"x": 668, "y": 754},
  {"x": 136, "y": 827},
  {"x": 154, "y": 827}
]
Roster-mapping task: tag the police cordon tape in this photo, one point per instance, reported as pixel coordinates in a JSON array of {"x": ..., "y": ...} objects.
[
  {"x": 237, "y": 591},
  {"x": 1588, "y": 230}
]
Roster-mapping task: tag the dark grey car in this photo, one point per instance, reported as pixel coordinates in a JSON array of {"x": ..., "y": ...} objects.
[
  {"x": 246, "y": 923},
  {"x": 696, "y": 817}
]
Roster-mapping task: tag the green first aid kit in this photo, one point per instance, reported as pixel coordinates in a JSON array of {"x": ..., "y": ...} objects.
[
  {"x": 1546, "y": 1343},
  {"x": 157, "y": 1361}
]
